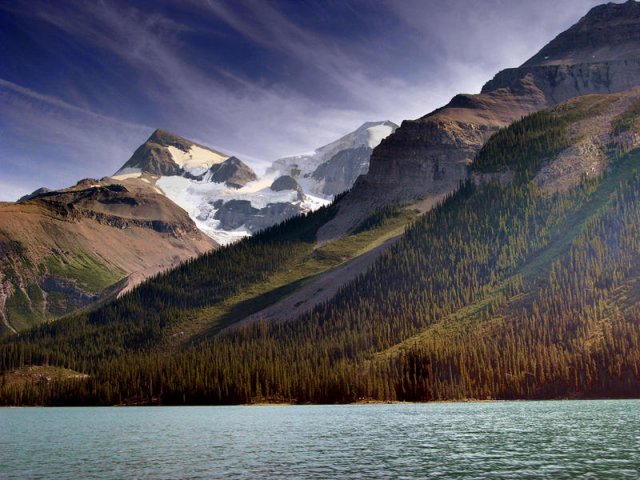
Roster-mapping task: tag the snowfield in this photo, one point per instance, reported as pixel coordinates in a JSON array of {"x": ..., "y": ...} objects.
[{"x": 197, "y": 199}]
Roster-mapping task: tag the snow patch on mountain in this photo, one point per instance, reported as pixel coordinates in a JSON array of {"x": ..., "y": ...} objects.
[
  {"x": 377, "y": 133},
  {"x": 347, "y": 158},
  {"x": 196, "y": 160},
  {"x": 201, "y": 200}
]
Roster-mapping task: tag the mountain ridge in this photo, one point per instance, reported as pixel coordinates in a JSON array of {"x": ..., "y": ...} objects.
[
  {"x": 224, "y": 196},
  {"x": 595, "y": 37},
  {"x": 426, "y": 158}
]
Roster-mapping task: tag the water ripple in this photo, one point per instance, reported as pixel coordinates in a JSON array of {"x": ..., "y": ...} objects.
[{"x": 493, "y": 440}]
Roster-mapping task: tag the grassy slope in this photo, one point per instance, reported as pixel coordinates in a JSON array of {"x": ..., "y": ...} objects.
[
  {"x": 24, "y": 376},
  {"x": 310, "y": 263},
  {"x": 30, "y": 304},
  {"x": 90, "y": 274}
]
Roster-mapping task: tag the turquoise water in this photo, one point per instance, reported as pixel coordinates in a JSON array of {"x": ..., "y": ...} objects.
[{"x": 567, "y": 439}]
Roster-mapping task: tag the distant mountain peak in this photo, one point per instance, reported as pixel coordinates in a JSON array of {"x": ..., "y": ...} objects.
[
  {"x": 166, "y": 138},
  {"x": 165, "y": 153},
  {"x": 332, "y": 168}
]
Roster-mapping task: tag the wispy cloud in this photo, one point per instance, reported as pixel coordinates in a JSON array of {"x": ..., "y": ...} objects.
[
  {"x": 158, "y": 64},
  {"x": 58, "y": 103},
  {"x": 48, "y": 142}
]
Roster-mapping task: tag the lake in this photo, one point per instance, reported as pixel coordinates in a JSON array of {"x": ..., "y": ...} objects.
[{"x": 519, "y": 440}]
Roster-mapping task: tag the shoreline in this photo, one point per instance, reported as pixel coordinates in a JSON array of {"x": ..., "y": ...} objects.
[{"x": 357, "y": 403}]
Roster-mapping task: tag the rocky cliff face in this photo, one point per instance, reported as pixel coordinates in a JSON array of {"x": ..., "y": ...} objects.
[
  {"x": 428, "y": 157},
  {"x": 286, "y": 182},
  {"x": 608, "y": 32},
  {"x": 340, "y": 172},
  {"x": 236, "y": 214}
]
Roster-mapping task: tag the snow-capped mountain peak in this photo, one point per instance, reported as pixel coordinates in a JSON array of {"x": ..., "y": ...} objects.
[
  {"x": 165, "y": 153},
  {"x": 224, "y": 196},
  {"x": 333, "y": 168}
]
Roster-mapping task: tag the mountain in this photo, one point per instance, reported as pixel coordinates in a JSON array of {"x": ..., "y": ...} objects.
[
  {"x": 224, "y": 196},
  {"x": 167, "y": 154},
  {"x": 67, "y": 249},
  {"x": 426, "y": 159},
  {"x": 520, "y": 282},
  {"x": 72, "y": 248},
  {"x": 333, "y": 168},
  {"x": 232, "y": 172}
]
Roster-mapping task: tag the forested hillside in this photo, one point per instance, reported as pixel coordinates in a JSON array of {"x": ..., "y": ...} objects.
[{"x": 505, "y": 290}]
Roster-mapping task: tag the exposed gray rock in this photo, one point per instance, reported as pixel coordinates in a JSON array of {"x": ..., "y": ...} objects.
[
  {"x": 608, "y": 32},
  {"x": 233, "y": 172},
  {"x": 286, "y": 182},
  {"x": 341, "y": 171},
  {"x": 234, "y": 213},
  {"x": 240, "y": 213}
]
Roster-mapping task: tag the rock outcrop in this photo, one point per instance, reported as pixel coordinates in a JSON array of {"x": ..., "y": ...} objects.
[
  {"x": 333, "y": 168},
  {"x": 340, "y": 172},
  {"x": 233, "y": 172},
  {"x": 286, "y": 182},
  {"x": 236, "y": 214}
]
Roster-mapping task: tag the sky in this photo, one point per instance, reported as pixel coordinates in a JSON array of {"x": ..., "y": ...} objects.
[{"x": 83, "y": 83}]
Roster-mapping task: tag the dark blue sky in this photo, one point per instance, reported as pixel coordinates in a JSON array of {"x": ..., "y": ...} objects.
[{"x": 83, "y": 83}]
